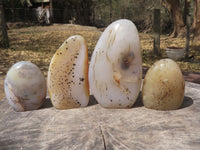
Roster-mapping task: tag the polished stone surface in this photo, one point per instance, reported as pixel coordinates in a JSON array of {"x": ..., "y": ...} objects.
[{"x": 98, "y": 128}]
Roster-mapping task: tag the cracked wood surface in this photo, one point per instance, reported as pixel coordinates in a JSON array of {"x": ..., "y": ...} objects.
[{"x": 98, "y": 128}]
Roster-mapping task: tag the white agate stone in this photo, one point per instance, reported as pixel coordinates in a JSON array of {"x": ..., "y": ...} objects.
[
  {"x": 67, "y": 79},
  {"x": 115, "y": 70},
  {"x": 163, "y": 86},
  {"x": 25, "y": 86}
]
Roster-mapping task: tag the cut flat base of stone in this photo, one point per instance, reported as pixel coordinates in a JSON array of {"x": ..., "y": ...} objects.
[{"x": 95, "y": 127}]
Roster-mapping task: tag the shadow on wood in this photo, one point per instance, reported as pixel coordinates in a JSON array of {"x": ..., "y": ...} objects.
[
  {"x": 138, "y": 102},
  {"x": 92, "y": 101},
  {"x": 187, "y": 101},
  {"x": 47, "y": 104}
]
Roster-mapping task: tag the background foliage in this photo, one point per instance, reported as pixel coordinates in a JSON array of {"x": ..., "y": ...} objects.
[{"x": 98, "y": 13}]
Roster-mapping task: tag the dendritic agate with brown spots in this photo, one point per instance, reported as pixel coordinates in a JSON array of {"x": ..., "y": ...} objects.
[
  {"x": 25, "y": 86},
  {"x": 115, "y": 70},
  {"x": 67, "y": 79},
  {"x": 163, "y": 86}
]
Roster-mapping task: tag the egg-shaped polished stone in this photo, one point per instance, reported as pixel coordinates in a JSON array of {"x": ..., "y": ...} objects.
[
  {"x": 68, "y": 74},
  {"x": 25, "y": 86},
  {"x": 115, "y": 70},
  {"x": 163, "y": 86}
]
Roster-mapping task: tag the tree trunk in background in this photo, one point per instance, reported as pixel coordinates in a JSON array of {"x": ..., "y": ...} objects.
[
  {"x": 83, "y": 12},
  {"x": 93, "y": 14},
  {"x": 186, "y": 10},
  {"x": 175, "y": 10},
  {"x": 4, "y": 42},
  {"x": 156, "y": 31},
  {"x": 196, "y": 22},
  {"x": 110, "y": 3},
  {"x": 12, "y": 2},
  {"x": 51, "y": 11}
]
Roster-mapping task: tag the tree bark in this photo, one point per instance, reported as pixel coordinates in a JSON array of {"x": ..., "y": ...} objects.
[
  {"x": 196, "y": 22},
  {"x": 175, "y": 10},
  {"x": 4, "y": 42}
]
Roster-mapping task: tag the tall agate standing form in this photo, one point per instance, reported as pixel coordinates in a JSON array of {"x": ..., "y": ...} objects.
[
  {"x": 67, "y": 79},
  {"x": 115, "y": 70}
]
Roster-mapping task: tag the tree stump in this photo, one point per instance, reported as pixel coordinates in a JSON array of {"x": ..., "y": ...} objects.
[{"x": 98, "y": 128}]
